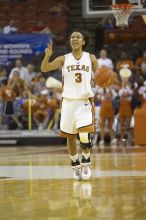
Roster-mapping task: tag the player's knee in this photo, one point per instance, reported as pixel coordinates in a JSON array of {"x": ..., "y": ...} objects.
[{"x": 85, "y": 140}]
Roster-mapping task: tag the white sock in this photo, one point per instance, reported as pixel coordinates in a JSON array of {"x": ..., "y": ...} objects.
[
  {"x": 86, "y": 155},
  {"x": 74, "y": 158}
]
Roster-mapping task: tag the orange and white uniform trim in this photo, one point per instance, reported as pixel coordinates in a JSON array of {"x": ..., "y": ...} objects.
[{"x": 125, "y": 102}]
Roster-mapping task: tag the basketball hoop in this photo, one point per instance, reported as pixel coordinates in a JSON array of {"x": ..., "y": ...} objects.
[{"x": 122, "y": 13}]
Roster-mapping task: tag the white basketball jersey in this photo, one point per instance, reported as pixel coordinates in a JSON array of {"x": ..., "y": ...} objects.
[{"x": 77, "y": 77}]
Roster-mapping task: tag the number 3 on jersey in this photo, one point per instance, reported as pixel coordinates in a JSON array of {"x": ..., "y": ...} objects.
[{"x": 78, "y": 78}]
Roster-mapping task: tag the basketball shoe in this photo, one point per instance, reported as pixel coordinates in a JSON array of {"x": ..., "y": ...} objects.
[
  {"x": 76, "y": 170},
  {"x": 86, "y": 168}
]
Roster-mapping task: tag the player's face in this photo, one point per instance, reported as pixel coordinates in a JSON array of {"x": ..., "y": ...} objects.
[{"x": 76, "y": 40}]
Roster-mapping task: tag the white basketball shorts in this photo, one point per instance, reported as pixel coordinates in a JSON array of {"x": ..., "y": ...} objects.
[{"x": 76, "y": 116}]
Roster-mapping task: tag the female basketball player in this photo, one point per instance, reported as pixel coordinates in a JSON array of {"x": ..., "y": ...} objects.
[{"x": 77, "y": 114}]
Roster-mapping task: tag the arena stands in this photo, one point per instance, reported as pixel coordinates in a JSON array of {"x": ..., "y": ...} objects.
[
  {"x": 26, "y": 13},
  {"x": 60, "y": 19}
]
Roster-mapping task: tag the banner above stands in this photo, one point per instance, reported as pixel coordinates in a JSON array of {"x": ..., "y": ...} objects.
[{"x": 17, "y": 46}]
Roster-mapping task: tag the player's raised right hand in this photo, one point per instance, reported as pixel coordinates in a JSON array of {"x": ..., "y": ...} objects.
[{"x": 48, "y": 50}]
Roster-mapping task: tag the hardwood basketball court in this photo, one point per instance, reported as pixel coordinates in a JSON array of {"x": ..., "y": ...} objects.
[{"x": 36, "y": 184}]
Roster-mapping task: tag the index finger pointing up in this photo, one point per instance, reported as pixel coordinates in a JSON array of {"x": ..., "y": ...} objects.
[{"x": 50, "y": 44}]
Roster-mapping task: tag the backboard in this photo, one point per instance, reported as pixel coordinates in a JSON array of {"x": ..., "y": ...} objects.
[{"x": 100, "y": 8}]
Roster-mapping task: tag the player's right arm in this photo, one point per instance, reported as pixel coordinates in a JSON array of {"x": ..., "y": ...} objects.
[
  {"x": 94, "y": 63},
  {"x": 55, "y": 64}
]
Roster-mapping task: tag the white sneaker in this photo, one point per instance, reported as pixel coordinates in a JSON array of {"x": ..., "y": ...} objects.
[
  {"x": 77, "y": 172},
  {"x": 86, "y": 171}
]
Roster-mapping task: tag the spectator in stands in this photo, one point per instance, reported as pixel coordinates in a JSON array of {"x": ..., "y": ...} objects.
[
  {"x": 104, "y": 61},
  {"x": 109, "y": 24},
  {"x": 3, "y": 82},
  {"x": 20, "y": 68},
  {"x": 140, "y": 65},
  {"x": 59, "y": 9},
  {"x": 3, "y": 76},
  {"x": 41, "y": 115},
  {"x": 136, "y": 99},
  {"x": 38, "y": 84},
  {"x": 37, "y": 77},
  {"x": 8, "y": 94},
  {"x": 41, "y": 28},
  {"x": 140, "y": 59},
  {"x": 18, "y": 83},
  {"x": 10, "y": 28},
  {"x": 124, "y": 62},
  {"x": 30, "y": 75}
]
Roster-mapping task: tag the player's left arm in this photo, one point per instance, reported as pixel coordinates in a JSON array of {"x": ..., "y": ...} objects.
[{"x": 94, "y": 63}]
